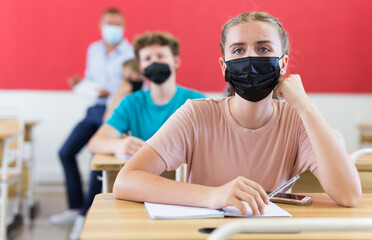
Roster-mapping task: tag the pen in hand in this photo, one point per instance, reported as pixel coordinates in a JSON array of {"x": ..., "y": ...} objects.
[{"x": 292, "y": 180}]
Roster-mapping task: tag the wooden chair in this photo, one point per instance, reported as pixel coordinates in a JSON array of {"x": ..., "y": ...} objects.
[
  {"x": 11, "y": 147},
  {"x": 308, "y": 183},
  {"x": 357, "y": 154},
  {"x": 363, "y": 121}
]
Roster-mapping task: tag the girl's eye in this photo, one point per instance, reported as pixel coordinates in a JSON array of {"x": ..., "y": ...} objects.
[
  {"x": 264, "y": 49},
  {"x": 238, "y": 51}
]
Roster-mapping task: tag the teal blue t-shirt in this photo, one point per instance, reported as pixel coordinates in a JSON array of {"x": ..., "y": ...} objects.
[{"x": 140, "y": 116}]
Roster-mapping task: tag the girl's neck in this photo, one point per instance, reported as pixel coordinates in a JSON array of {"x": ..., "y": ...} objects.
[
  {"x": 251, "y": 115},
  {"x": 163, "y": 93}
]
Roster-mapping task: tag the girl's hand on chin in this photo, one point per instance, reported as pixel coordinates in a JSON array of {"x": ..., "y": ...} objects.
[{"x": 293, "y": 91}]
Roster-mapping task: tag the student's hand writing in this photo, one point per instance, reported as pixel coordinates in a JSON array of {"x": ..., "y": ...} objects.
[
  {"x": 237, "y": 190},
  {"x": 129, "y": 145},
  {"x": 292, "y": 90},
  {"x": 74, "y": 80}
]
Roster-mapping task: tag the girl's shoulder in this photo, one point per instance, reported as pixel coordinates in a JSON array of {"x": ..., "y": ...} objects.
[
  {"x": 207, "y": 104},
  {"x": 205, "y": 109}
]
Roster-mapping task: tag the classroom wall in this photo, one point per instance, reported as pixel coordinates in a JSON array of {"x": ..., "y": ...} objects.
[
  {"x": 59, "y": 111},
  {"x": 45, "y": 41}
]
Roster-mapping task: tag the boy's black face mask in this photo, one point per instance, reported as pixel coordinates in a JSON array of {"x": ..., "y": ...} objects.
[
  {"x": 253, "y": 78},
  {"x": 157, "y": 72},
  {"x": 136, "y": 84}
]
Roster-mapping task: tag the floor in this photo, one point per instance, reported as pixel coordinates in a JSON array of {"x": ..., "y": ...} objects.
[{"x": 51, "y": 199}]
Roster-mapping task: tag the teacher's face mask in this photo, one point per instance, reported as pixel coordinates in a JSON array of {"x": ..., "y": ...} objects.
[
  {"x": 253, "y": 78},
  {"x": 112, "y": 34}
]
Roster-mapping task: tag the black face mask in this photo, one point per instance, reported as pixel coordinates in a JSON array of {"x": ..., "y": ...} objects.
[
  {"x": 253, "y": 78},
  {"x": 136, "y": 84},
  {"x": 157, "y": 72}
]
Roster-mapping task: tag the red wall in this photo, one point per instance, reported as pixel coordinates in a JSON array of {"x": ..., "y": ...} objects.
[{"x": 44, "y": 41}]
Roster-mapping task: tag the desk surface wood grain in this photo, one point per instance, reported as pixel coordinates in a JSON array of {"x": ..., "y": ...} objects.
[
  {"x": 106, "y": 162},
  {"x": 117, "y": 219}
]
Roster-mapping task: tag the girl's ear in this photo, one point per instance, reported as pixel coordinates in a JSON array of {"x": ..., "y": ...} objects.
[
  {"x": 222, "y": 65},
  {"x": 283, "y": 64}
]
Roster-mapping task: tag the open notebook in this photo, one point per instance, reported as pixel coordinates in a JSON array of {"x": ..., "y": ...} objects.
[{"x": 165, "y": 211}]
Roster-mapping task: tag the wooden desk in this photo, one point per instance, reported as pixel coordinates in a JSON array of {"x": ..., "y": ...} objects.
[
  {"x": 6, "y": 137},
  {"x": 116, "y": 219},
  {"x": 29, "y": 125},
  {"x": 28, "y": 166},
  {"x": 110, "y": 166},
  {"x": 308, "y": 182},
  {"x": 28, "y": 175},
  {"x": 365, "y": 133},
  {"x": 364, "y": 163}
]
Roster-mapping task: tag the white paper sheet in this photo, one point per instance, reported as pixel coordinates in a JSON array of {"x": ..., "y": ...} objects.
[
  {"x": 87, "y": 89},
  {"x": 165, "y": 211},
  {"x": 124, "y": 157}
]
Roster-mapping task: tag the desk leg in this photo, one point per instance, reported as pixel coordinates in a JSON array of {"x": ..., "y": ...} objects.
[
  {"x": 3, "y": 191},
  {"x": 108, "y": 179},
  {"x": 104, "y": 181},
  {"x": 3, "y": 210}
]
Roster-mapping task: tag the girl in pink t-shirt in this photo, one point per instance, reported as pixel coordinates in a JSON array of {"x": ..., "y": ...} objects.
[{"x": 238, "y": 147}]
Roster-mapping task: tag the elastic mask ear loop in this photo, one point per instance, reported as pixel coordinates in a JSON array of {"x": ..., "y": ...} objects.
[
  {"x": 226, "y": 72},
  {"x": 279, "y": 59}
]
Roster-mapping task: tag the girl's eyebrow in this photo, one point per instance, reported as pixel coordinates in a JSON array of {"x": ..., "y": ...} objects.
[
  {"x": 237, "y": 44},
  {"x": 264, "y": 42},
  {"x": 243, "y": 43}
]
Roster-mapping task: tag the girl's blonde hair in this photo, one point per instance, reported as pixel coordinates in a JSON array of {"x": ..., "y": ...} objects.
[{"x": 255, "y": 16}]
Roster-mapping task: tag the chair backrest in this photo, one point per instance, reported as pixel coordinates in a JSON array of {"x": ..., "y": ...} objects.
[
  {"x": 363, "y": 121},
  {"x": 339, "y": 136},
  {"x": 10, "y": 118},
  {"x": 357, "y": 154}
]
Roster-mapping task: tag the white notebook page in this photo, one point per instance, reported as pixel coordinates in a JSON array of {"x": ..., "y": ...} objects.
[{"x": 166, "y": 211}]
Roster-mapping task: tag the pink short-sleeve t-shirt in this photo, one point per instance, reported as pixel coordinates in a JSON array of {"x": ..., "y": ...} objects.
[{"x": 204, "y": 135}]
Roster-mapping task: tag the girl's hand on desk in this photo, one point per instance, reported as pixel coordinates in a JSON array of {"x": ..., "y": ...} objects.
[
  {"x": 129, "y": 145},
  {"x": 237, "y": 190},
  {"x": 292, "y": 90}
]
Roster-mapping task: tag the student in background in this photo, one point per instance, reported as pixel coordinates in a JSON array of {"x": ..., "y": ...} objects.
[
  {"x": 132, "y": 81},
  {"x": 237, "y": 147},
  {"x": 142, "y": 113},
  {"x": 104, "y": 67}
]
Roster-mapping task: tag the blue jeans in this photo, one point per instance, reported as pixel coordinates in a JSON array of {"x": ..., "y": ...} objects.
[{"x": 78, "y": 138}]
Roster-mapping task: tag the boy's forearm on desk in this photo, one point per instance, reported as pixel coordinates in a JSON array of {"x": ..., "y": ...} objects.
[{"x": 103, "y": 145}]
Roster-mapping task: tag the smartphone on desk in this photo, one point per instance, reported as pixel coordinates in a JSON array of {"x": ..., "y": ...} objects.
[{"x": 295, "y": 199}]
